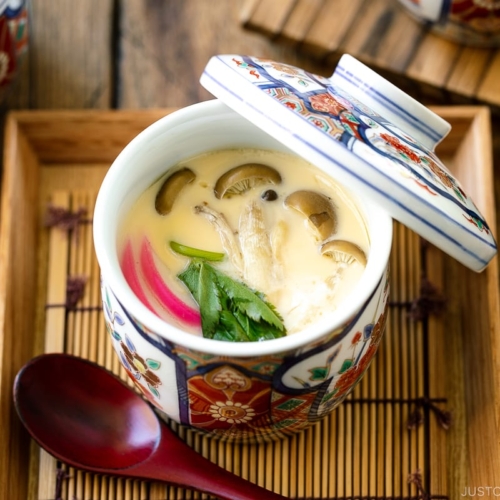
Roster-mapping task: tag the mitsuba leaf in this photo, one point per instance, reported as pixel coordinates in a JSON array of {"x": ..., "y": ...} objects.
[
  {"x": 231, "y": 329},
  {"x": 249, "y": 302},
  {"x": 229, "y": 309},
  {"x": 198, "y": 278},
  {"x": 191, "y": 278}
]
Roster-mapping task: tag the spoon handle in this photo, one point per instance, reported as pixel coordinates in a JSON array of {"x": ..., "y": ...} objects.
[{"x": 178, "y": 464}]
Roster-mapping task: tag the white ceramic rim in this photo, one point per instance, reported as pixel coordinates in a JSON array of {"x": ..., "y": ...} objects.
[{"x": 108, "y": 202}]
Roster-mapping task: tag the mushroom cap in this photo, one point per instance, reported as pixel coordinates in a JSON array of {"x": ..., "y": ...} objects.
[
  {"x": 239, "y": 179},
  {"x": 318, "y": 209},
  {"x": 171, "y": 188},
  {"x": 344, "y": 251}
]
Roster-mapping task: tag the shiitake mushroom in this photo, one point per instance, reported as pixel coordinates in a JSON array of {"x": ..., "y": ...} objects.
[
  {"x": 344, "y": 252},
  {"x": 318, "y": 209},
  {"x": 240, "y": 179},
  {"x": 171, "y": 188}
]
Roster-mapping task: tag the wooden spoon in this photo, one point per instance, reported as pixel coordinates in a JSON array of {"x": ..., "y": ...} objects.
[{"x": 86, "y": 417}]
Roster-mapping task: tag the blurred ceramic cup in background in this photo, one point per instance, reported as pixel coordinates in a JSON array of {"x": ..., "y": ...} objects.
[
  {"x": 13, "y": 40},
  {"x": 470, "y": 22},
  {"x": 357, "y": 128}
]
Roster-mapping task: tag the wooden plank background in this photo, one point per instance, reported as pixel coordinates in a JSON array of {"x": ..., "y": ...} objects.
[{"x": 132, "y": 53}]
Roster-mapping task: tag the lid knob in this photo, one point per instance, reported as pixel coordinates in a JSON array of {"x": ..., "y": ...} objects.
[{"x": 389, "y": 101}]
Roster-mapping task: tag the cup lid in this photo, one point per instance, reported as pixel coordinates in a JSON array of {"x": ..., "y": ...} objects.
[{"x": 365, "y": 132}]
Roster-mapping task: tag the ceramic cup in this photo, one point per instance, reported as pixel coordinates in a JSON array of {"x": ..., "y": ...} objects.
[
  {"x": 13, "y": 40},
  {"x": 471, "y": 22},
  {"x": 233, "y": 390}
]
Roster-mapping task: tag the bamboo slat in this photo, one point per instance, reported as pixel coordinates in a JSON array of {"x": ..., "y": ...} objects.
[
  {"x": 326, "y": 32},
  {"x": 364, "y": 449},
  {"x": 270, "y": 18},
  {"x": 299, "y": 20},
  {"x": 468, "y": 71}
]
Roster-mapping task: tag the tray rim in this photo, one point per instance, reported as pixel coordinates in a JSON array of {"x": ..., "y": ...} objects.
[{"x": 25, "y": 131}]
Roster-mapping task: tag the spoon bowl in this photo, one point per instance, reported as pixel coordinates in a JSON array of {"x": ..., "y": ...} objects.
[
  {"x": 88, "y": 418},
  {"x": 110, "y": 428}
]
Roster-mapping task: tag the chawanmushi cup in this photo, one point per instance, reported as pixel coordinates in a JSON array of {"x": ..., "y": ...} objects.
[
  {"x": 360, "y": 130},
  {"x": 232, "y": 390}
]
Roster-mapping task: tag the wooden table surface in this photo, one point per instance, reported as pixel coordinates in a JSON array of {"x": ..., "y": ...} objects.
[{"x": 132, "y": 53}]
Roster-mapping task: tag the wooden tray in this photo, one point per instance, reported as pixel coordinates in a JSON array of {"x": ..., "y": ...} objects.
[
  {"x": 381, "y": 34},
  {"x": 364, "y": 450}
]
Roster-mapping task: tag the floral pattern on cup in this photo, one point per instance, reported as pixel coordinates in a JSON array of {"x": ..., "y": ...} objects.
[{"x": 139, "y": 369}]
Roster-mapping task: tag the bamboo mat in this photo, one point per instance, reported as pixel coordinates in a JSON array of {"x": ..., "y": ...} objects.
[
  {"x": 381, "y": 34},
  {"x": 364, "y": 450}
]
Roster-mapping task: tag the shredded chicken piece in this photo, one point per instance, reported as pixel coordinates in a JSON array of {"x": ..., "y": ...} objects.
[
  {"x": 228, "y": 238},
  {"x": 255, "y": 247},
  {"x": 278, "y": 236},
  {"x": 335, "y": 279}
]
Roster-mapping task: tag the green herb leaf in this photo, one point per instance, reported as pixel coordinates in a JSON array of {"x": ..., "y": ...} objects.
[
  {"x": 195, "y": 252},
  {"x": 229, "y": 309},
  {"x": 191, "y": 278},
  {"x": 202, "y": 285},
  {"x": 210, "y": 303},
  {"x": 230, "y": 329},
  {"x": 249, "y": 302}
]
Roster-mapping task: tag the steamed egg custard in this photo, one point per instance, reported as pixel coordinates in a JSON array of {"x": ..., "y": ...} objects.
[{"x": 243, "y": 245}]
